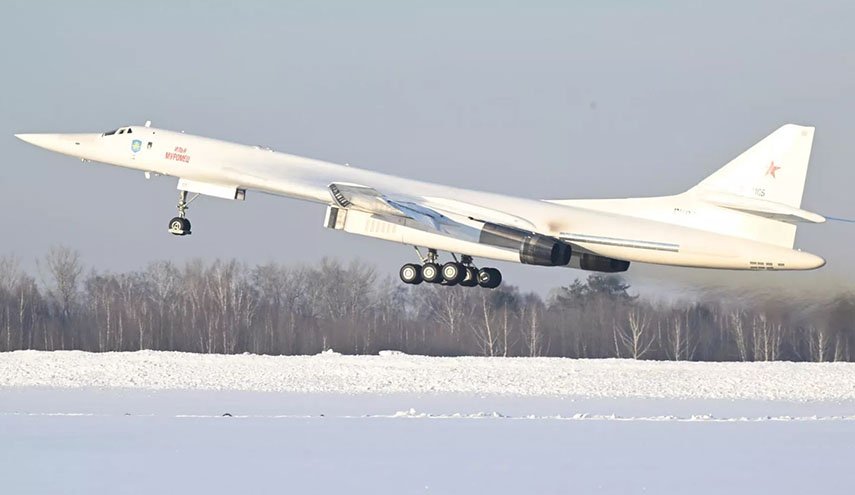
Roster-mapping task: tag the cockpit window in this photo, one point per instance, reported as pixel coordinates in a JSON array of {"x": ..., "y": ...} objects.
[{"x": 120, "y": 130}]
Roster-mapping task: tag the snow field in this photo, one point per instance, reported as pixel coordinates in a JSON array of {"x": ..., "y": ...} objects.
[
  {"x": 133, "y": 454},
  {"x": 396, "y": 373},
  {"x": 163, "y": 422}
]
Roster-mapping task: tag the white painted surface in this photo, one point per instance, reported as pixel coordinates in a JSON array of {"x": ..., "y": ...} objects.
[{"x": 706, "y": 235}]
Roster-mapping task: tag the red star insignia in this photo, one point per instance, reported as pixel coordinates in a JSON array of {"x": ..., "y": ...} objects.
[{"x": 772, "y": 169}]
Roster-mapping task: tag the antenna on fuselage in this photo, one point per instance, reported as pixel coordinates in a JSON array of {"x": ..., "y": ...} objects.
[{"x": 148, "y": 123}]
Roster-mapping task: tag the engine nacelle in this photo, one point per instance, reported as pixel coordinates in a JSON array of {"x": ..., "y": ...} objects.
[
  {"x": 534, "y": 249},
  {"x": 594, "y": 263}
]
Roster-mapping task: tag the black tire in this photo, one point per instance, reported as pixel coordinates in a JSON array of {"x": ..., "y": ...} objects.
[
  {"x": 179, "y": 226},
  {"x": 471, "y": 279},
  {"x": 411, "y": 274},
  {"x": 431, "y": 273},
  {"x": 453, "y": 273},
  {"x": 489, "y": 278},
  {"x": 497, "y": 278}
]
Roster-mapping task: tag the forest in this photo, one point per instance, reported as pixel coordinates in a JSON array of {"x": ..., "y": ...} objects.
[{"x": 226, "y": 306}]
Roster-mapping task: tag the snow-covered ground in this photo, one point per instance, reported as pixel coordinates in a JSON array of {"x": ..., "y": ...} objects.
[
  {"x": 151, "y": 422},
  {"x": 399, "y": 373}
]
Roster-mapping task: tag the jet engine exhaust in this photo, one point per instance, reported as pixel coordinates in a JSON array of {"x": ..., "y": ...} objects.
[
  {"x": 534, "y": 249},
  {"x": 594, "y": 263}
]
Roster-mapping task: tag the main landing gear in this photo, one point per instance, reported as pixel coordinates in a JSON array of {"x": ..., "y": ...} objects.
[
  {"x": 455, "y": 272},
  {"x": 180, "y": 225}
]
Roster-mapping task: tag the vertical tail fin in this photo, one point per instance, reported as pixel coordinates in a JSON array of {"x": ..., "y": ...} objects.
[
  {"x": 773, "y": 169},
  {"x": 772, "y": 172},
  {"x": 756, "y": 196}
]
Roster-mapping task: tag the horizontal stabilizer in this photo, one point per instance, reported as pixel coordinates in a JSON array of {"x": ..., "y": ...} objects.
[{"x": 762, "y": 208}]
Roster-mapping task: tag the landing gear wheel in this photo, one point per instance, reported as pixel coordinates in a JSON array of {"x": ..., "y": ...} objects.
[
  {"x": 431, "y": 273},
  {"x": 179, "y": 226},
  {"x": 453, "y": 273},
  {"x": 489, "y": 278},
  {"x": 411, "y": 274},
  {"x": 471, "y": 278}
]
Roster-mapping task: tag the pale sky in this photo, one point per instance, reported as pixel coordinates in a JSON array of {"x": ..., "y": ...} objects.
[{"x": 550, "y": 100}]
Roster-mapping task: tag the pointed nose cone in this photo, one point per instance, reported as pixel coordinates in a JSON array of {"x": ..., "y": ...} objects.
[
  {"x": 28, "y": 138},
  {"x": 70, "y": 144},
  {"x": 53, "y": 142}
]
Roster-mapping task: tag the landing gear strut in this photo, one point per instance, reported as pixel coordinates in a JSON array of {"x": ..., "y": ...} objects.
[
  {"x": 455, "y": 272},
  {"x": 180, "y": 225}
]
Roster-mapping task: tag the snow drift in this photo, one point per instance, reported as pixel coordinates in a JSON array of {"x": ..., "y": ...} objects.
[{"x": 401, "y": 373}]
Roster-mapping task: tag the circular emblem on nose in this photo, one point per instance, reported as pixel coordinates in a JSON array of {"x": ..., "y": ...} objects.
[{"x": 136, "y": 145}]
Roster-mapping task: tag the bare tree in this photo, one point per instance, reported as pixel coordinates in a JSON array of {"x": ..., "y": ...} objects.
[
  {"x": 736, "y": 327},
  {"x": 64, "y": 267},
  {"x": 635, "y": 336},
  {"x": 10, "y": 276},
  {"x": 820, "y": 342},
  {"x": 165, "y": 287},
  {"x": 675, "y": 335},
  {"x": 10, "y": 273},
  {"x": 451, "y": 308},
  {"x": 483, "y": 326},
  {"x": 531, "y": 332},
  {"x": 767, "y": 337},
  {"x": 224, "y": 306}
]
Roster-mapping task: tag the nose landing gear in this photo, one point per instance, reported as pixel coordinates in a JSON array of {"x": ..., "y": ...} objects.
[{"x": 180, "y": 225}]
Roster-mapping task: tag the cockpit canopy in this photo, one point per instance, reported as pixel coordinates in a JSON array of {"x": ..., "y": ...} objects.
[{"x": 120, "y": 130}]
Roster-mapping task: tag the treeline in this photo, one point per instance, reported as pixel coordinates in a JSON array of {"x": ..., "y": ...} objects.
[{"x": 228, "y": 307}]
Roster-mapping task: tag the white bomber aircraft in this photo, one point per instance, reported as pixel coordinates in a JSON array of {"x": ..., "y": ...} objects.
[{"x": 742, "y": 217}]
